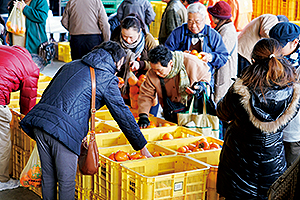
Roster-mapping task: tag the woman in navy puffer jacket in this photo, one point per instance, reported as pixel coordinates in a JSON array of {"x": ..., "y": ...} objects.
[
  {"x": 258, "y": 105},
  {"x": 60, "y": 120}
]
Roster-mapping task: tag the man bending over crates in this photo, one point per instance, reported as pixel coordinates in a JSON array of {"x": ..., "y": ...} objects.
[
  {"x": 18, "y": 73},
  {"x": 60, "y": 120}
]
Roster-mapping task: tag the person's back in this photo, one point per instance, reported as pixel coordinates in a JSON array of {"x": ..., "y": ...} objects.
[
  {"x": 18, "y": 73},
  {"x": 87, "y": 24},
  {"x": 174, "y": 16},
  {"x": 258, "y": 105},
  {"x": 258, "y": 28},
  {"x": 142, "y": 8}
]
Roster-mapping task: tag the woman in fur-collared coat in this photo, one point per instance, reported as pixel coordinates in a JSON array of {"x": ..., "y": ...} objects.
[{"x": 258, "y": 106}]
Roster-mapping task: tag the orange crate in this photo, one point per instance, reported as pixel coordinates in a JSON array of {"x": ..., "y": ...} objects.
[
  {"x": 174, "y": 145},
  {"x": 107, "y": 182},
  {"x": 171, "y": 177},
  {"x": 19, "y": 160},
  {"x": 288, "y": 8},
  {"x": 212, "y": 158}
]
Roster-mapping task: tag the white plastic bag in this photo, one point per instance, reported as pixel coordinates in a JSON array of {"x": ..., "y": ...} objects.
[
  {"x": 16, "y": 22},
  {"x": 32, "y": 173}
]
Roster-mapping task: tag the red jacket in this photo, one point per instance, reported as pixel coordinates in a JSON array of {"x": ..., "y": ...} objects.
[{"x": 18, "y": 72}]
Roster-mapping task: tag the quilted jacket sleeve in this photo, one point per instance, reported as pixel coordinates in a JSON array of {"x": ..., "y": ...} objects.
[
  {"x": 28, "y": 91},
  {"x": 123, "y": 116}
]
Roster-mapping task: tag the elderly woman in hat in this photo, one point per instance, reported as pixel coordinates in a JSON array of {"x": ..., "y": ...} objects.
[
  {"x": 221, "y": 13},
  {"x": 196, "y": 35}
]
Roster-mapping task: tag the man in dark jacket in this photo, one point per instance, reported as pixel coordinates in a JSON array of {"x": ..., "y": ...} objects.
[
  {"x": 60, "y": 120},
  {"x": 18, "y": 72}
]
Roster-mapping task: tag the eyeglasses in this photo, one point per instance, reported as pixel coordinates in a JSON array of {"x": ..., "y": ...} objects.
[{"x": 197, "y": 22}]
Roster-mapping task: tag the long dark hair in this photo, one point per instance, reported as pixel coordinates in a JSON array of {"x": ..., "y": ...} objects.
[{"x": 269, "y": 68}]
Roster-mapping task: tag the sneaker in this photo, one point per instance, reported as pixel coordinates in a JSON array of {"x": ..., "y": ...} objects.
[{"x": 11, "y": 184}]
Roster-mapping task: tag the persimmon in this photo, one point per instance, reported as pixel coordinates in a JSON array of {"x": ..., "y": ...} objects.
[
  {"x": 143, "y": 157},
  {"x": 132, "y": 80},
  {"x": 134, "y": 104},
  {"x": 194, "y": 52},
  {"x": 135, "y": 155},
  {"x": 8, "y": 24},
  {"x": 25, "y": 180},
  {"x": 152, "y": 123},
  {"x": 139, "y": 83},
  {"x": 166, "y": 124},
  {"x": 182, "y": 149},
  {"x": 135, "y": 97},
  {"x": 142, "y": 77},
  {"x": 112, "y": 156},
  {"x": 121, "y": 156},
  {"x": 214, "y": 145},
  {"x": 167, "y": 136},
  {"x": 199, "y": 56},
  {"x": 203, "y": 144},
  {"x": 121, "y": 80},
  {"x": 134, "y": 89},
  {"x": 191, "y": 146}
]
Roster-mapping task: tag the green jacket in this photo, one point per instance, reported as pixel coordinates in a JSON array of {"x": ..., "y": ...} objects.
[{"x": 36, "y": 15}]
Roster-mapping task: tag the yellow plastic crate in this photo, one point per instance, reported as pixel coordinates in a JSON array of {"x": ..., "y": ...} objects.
[
  {"x": 185, "y": 141},
  {"x": 103, "y": 108},
  {"x": 172, "y": 177},
  {"x": 64, "y": 52},
  {"x": 19, "y": 137},
  {"x": 43, "y": 85},
  {"x": 19, "y": 160},
  {"x": 82, "y": 194},
  {"x": 212, "y": 158},
  {"x": 157, "y": 121},
  {"x": 158, "y": 7},
  {"x": 101, "y": 127},
  {"x": 178, "y": 132},
  {"x": 44, "y": 78},
  {"x": 15, "y": 95},
  {"x": 107, "y": 182},
  {"x": 110, "y": 139},
  {"x": 104, "y": 115}
]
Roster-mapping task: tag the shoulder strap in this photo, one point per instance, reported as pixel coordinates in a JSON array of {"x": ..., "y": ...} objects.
[
  {"x": 93, "y": 109},
  {"x": 232, "y": 51}
]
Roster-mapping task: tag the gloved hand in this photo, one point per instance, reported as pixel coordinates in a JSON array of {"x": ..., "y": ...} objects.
[
  {"x": 143, "y": 121},
  {"x": 198, "y": 88}
]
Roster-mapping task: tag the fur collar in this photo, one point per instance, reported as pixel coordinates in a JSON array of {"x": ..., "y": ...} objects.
[{"x": 269, "y": 127}]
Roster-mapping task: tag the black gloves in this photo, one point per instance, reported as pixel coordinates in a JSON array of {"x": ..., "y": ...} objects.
[
  {"x": 143, "y": 121},
  {"x": 198, "y": 87}
]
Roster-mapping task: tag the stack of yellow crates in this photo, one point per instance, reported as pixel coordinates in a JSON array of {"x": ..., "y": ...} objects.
[
  {"x": 158, "y": 8},
  {"x": 64, "y": 52}
]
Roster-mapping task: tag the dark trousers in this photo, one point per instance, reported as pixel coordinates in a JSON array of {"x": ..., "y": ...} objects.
[
  {"x": 292, "y": 151},
  {"x": 59, "y": 164},
  {"x": 83, "y": 44},
  {"x": 242, "y": 64}
]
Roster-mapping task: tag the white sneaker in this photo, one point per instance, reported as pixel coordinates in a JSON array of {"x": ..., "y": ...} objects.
[{"x": 11, "y": 184}]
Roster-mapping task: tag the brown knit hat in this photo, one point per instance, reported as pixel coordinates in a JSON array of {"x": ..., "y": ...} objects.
[{"x": 220, "y": 10}]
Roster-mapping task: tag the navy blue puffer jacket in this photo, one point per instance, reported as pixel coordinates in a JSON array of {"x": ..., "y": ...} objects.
[
  {"x": 252, "y": 156},
  {"x": 64, "y": 110}
]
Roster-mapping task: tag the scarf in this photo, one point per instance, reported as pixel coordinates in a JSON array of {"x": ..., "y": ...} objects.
[
  {"x": 184, "y": 81},
  {"x": 294, "y": 57},
  {"x": 221, "y": 23},
  {"x": 137, "y": 47}
]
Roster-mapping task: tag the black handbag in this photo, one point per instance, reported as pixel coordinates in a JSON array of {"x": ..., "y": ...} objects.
[
  {"x": 170, "y": 109},
  {"x": 46, "y": 50}
]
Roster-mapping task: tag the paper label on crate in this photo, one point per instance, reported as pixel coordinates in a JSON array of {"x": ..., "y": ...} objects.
[{"x": 178, "y": 186}]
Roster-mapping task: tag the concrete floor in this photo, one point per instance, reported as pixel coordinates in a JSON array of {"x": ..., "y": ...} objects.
[{"x": 22, "y": 193}]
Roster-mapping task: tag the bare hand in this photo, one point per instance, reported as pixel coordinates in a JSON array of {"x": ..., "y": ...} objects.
[
  {"x": 20, "y": 4},
  {"x": 191, "y": 91},
  {"x": 134, "y": 65},
  {"x": 205, "y": 56},
  {"x": 144, "y": 151}
]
